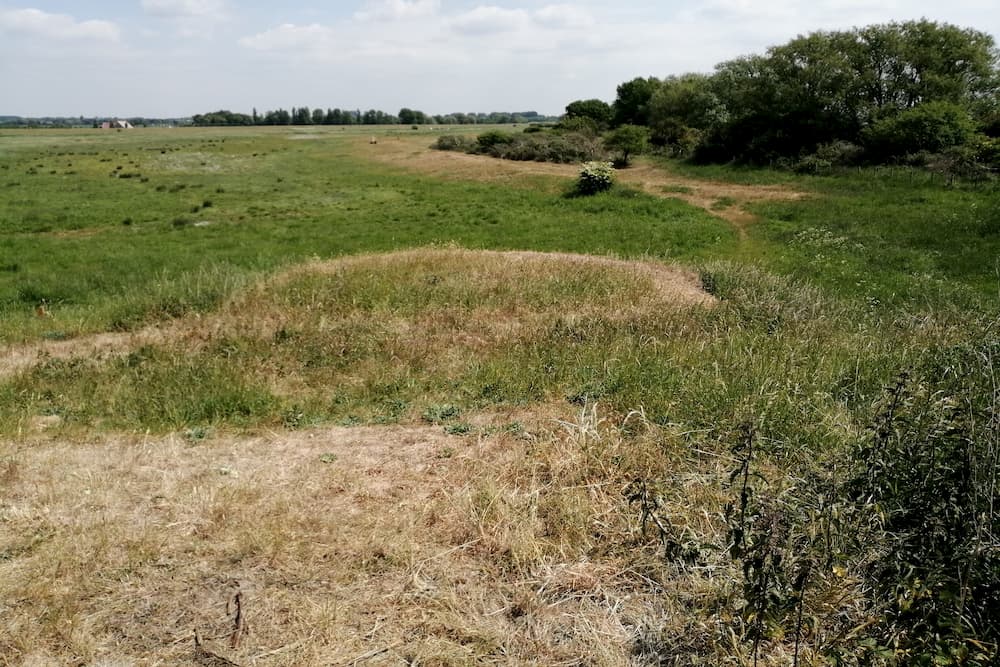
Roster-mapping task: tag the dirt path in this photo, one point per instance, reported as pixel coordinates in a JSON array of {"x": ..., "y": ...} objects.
[{"x": 723, "y": 200}]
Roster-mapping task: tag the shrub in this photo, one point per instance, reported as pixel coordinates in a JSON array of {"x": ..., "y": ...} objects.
[
  {"x": 987, "y": 150},
  {"x": 840, "y": 153},
  {"x": 595, "y": 177},
  {"x": 580, "y": 125},
  {"x": 928, "y": 477},
  {"x": 813, "y": 165},
  {"x": 453, "y": 142},
  {"x": 932, "y": 127},
  {"x": 627, "y": 141},
  {"x": 486, "y": 141},
  {"x": 561, "y": 148}
]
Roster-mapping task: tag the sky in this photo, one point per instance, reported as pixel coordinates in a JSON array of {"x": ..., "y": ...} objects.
[{"x": 175, "y": 58}]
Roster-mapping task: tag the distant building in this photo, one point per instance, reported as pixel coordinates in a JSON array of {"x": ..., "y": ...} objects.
[{"x": 116, "y": 125}]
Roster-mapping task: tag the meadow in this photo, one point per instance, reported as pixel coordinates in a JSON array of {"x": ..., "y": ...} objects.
[{"x": 328, "y": 401}]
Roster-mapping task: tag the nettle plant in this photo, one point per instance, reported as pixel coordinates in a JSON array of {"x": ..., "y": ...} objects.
[{"x": 595, "y": 177}]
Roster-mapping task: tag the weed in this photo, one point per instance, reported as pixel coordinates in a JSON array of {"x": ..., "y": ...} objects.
[
  {"x": 437, "y": 414},
  {"x": 196, "y": 433},
  {"x": 459, "y": 428}
]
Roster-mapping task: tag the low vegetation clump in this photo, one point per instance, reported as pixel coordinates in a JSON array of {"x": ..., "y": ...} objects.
[
  {"x": 537, "y": 146},
  {"x": 595, "y": 177}
]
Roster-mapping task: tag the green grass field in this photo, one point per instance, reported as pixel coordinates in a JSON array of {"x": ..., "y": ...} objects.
[
  {"x": 215, "y": 283},
  {"x": 112, "y": 232}
]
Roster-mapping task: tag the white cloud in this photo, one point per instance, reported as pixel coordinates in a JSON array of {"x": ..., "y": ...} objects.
[
  {"x": 397, "y": 10},
  {"x": 291, "y": 37},
  {"x": 37, "y": 23},
  {"x": 179, "y": 9},
  {"x": 485, "y": 20},
  {"x": 563, "y": 17}
]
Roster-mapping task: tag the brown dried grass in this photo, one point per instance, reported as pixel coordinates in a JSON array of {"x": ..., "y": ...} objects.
[
  {"x": 254, "y": 313},
  {"x": 401, "y": 545}
]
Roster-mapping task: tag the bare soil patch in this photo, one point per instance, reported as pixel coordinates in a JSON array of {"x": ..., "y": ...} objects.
[{"x": 410, "y": 153}]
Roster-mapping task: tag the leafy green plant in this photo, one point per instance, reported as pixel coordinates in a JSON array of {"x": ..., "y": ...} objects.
[
  {"x": 458, "y": 428},
  {"x": 627, "y": 141},
  {"x": 932, "y": 126},
  {"x": 437, "y": 414},
  {"x": 453, "y": 142},
  {"x": 929, "y": 477},
  {"x": 488, "y": 140},
  {"x": 595, "y": 177}
]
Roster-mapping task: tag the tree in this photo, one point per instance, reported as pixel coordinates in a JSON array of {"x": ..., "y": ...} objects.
[
  {"x": 931, "y": 127},
  {"x": 829, "y": 87},
  {"x": 631, "y": 106},
  {"x": 318, "y": 116},
  {"x": 682, "y": 109},
  {"x": 594, "y": 109},
  {"x": 217, "y": 118},
  {"x": 627, "y": 140},
  {"x": 301, "y": 116}
]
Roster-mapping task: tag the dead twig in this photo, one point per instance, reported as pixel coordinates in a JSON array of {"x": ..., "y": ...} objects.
[
  {"x": 235, "y": 606},
  {"x": 205, "y": 657}
]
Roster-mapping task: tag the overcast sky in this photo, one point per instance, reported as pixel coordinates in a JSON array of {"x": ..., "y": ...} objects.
[{"x": 165, "y": 58}]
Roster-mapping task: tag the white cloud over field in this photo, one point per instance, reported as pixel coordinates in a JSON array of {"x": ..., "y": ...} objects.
[
  {"x": 40, "y": 24},
  {"x": 177, "y": 57}
]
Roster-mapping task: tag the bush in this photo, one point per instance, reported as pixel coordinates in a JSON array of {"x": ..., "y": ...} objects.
[
  {"x": 453, "y": 142},
  {"x": 540, "y": 146},
  {"x": 987, "y": 150},
  {"x": 595, "y": 177},
  {"x": 840, "y": 153},
  {"x": 931, "y": 127},
  {"x": 812, "y": 165},
  {"x": 627, "y": 140},
  {"x": 488, "y": 140},
  {"x": 579, "y": 125},
  {"x": 928, "y": 478}
]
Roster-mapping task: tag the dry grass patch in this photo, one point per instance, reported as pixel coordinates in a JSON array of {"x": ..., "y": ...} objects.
[
  {"x": 399, "y": 545},
  {"x": 504, "y": 283}
]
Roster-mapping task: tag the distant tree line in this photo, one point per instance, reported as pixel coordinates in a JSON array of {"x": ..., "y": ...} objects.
[
  {"x": 882, "y": 93},
  {"x": 406, "y": 116},
  {"x": 64, "y": 122}
]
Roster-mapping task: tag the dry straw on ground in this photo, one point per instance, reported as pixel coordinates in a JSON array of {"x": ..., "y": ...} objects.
[{"x": 398, "y": 545}]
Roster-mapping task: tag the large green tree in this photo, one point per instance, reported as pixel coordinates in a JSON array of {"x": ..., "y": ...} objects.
[
  {"x": 831, "y": 86},
  {"x": 631, "y": 106},
  {"x": 682, "y": 109},
  {"x": 593, "y": 109}
]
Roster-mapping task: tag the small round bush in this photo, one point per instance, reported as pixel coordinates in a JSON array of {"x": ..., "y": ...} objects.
[{"x": 595, "y": 177}]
